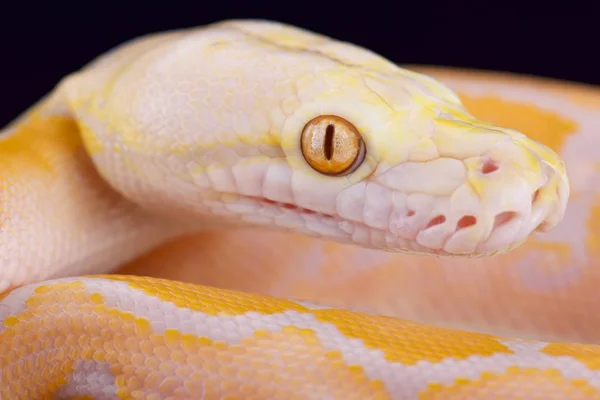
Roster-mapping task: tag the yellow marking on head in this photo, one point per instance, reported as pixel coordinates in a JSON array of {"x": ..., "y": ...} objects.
[
  {"x": 77, "y": 326},
  {"x": 294, "y": 38},
  {"x": 419, "y": 342},
  {"x": 516, "y": 383},
  {"x": 542, "y": 126}
]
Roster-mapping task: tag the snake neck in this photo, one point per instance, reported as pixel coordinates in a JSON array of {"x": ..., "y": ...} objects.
[{"x": 58, "y": 216}]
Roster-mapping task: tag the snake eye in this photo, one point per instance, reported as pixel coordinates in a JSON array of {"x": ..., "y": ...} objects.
[{"x": 332, "y": 146}]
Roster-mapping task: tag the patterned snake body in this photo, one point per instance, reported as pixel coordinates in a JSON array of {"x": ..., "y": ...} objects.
[{"x": 254, "y": 123}]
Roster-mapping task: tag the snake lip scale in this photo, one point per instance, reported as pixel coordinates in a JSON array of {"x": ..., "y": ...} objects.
[{"x": 542, "y": 216}]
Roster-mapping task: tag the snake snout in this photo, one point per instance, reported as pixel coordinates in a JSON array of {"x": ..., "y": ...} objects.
[
  {"x": 549, "y": 201},
  {"x": 479, "y": 205},
  {"x": 527, "y": 191}
]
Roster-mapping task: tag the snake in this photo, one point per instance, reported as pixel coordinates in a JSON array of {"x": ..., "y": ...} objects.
[{"x": 261, "y": 134}]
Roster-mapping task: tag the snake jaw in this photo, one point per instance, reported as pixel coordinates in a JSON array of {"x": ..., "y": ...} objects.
[{"x": 472, "y": 201}]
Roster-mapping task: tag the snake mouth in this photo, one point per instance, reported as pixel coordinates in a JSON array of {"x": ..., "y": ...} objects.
[
  {"x": 418, "y": 232},
  {"x": 418, "y": 223},
  {"x": 290, "y": 206},
  {"x": 290, "y": 217}
]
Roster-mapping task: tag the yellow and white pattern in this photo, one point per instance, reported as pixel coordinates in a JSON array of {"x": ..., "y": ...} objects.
[{"x": 191, "y": 131}]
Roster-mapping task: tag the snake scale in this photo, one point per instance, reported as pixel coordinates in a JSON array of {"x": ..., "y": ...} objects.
[{"x": 257, "y": 124}]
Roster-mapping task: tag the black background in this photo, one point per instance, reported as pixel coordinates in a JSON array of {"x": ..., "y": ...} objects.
[{"x": 43, "y": 42}]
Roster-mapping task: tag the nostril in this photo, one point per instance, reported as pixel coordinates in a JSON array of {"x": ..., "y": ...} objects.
[
  {"x": 488, "y": 167},
  {"x": 466, "y": 221},
  {"x": 440, "y": 219},
  {"x": 410, "y": 213},
  {"x": 504, "y": 218}
]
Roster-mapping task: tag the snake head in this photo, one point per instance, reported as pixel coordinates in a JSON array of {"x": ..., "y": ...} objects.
[
  {"x": 266, "y": 124},
  {"x": 426, "y": 176}
]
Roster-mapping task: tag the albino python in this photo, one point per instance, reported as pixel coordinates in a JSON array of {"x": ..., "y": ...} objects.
[{"x": 242, "y": 143}]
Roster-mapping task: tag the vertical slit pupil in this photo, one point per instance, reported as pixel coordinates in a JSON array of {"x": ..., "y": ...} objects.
[{"x": 328, "y": 147}]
